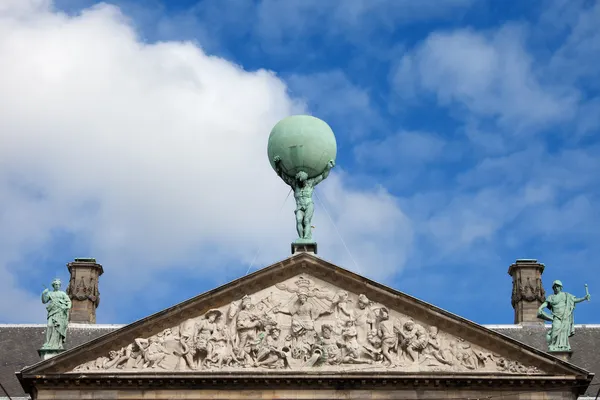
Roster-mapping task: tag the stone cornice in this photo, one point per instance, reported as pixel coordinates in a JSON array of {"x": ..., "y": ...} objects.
[{"x": 308, "y": 380}]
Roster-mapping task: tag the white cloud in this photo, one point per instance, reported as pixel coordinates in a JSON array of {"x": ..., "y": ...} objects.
[
  {"x": 18, "y": 8},
  {"x": 376, "y": 236},
  {"x": 486, "y": 75},
  {"x": 152, "y": 155}
]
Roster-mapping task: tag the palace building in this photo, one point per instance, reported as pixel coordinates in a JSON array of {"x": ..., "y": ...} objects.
[{"x": 302, "y": 328}]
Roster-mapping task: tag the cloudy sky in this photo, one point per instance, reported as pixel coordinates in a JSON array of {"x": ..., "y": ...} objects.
[{"x": 135, "y": 133}]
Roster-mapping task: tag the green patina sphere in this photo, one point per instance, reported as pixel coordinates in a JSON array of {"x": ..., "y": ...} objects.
[{"x": 303, "y": 143}]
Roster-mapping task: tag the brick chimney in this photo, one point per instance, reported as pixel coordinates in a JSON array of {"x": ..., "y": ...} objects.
[
  {"x": 83, "y": 289},
  {"x": 528, "y": 292}
]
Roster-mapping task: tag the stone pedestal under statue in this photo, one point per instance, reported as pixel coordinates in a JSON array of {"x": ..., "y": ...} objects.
[
  {"x": 49, "y": 353},
  {"x": 563, "y": 355},
  {"x": 304, "y": 247}
]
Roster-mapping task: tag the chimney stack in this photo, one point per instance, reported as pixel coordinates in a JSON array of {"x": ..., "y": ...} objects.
[
  {"x": 83, "y": 289},
  {"x": 528, "y": 292}
]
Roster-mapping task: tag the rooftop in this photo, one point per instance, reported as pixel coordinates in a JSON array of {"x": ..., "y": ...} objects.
[{"x": 19, "y": 344}]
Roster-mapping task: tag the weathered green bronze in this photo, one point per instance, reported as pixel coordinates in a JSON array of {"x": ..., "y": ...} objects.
[
  {"x": 58, "y": 305},
  {"x": 561, "y": 305},
  {"x": 302, "y": 151},
  {"x": 303, "y": 143}
]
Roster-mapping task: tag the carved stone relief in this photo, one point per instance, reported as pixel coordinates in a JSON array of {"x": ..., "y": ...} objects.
[
  {"x": 79, "y": 289},
  {"x": 303, "y": 324},
  {"x": 530, "y": 291}
]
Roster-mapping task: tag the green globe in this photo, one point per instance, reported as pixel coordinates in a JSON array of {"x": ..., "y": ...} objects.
[{"x": 303, "y": 143}]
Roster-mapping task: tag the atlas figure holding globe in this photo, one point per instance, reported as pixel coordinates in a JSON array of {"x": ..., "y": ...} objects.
[
  {"x": 303, "y": 187},
  {"x": 302, "y": 152}
]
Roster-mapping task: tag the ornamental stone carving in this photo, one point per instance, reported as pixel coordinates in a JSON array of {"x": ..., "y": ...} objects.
[
  {"x": 303, "y": 324},
  {"x": 528, "y": 291},
  {"x": 79, "y": 289}
]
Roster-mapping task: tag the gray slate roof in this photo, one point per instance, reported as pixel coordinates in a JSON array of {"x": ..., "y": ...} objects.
[
  {"x": 19, "y": 344},
  {"x": 585, "y": 345}
]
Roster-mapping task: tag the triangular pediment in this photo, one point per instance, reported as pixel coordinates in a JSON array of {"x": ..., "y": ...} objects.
[{"x": 304, "y": 315}]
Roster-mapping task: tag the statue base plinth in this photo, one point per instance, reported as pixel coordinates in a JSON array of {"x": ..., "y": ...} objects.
[
  {"x": 564, "y": 355},
  {"x": 304, "y": 247},
  {"x": 49, "y": 353}
]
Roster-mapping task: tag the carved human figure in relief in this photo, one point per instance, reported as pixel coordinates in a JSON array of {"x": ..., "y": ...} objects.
[
  {"x": 269, "y": 352},
  {"x": 187, "y": 335},
  {"x": 303, "y": 314},
  {"x": 435, "y": 348},
  {"x": 414, "y": 339},
  {"x": 153, "y": 351},
  {"x": 463, "y": 353},
  {"x": 373, "y": 345},
  {"x": 341, "y": 307},
  {"x": 247, "y": 324},
  {"x": 562, "y": 305},
  {"x": 116, "y": 359},
  {"x": 303, "y": 190},
  {"x": 482, "y": 358},
  {"x": 365, "y": 318},
  {"x": 135, "y": 356},
  {"x": 222, "y": 349},
  {"x": 205, "y": 331},
  {"x": 388, "y": 332},
  {"x": 58, "y": 305},
  {"x": 331, "y": 345},
  {"x": 351, "y": 347}
]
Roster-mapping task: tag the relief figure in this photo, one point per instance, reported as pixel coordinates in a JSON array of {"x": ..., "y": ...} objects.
[
  {"x": 351, "y": 347},
  {"x": 247, "y": 325},
  {"x": 303, "y": 315},
  {"x": 269, "y": 352},
  {"x": 435, "y": 348},
  {"x": 204, "y": 334},
  {"x": 330, "y": 345},
  {"x": 302, "y": 326},
  {"x": 414, "y": 340},
  {"x": 388, "y": 333}
]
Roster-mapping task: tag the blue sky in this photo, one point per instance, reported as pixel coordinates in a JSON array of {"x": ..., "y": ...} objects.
[{"x": 467, "y": 138}]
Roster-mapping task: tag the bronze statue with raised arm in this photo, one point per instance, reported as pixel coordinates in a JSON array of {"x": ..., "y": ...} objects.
[{"x": 561, "y": 305}]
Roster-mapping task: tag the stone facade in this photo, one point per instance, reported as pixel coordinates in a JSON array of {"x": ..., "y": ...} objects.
[{"x": 304, "y": 328}]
